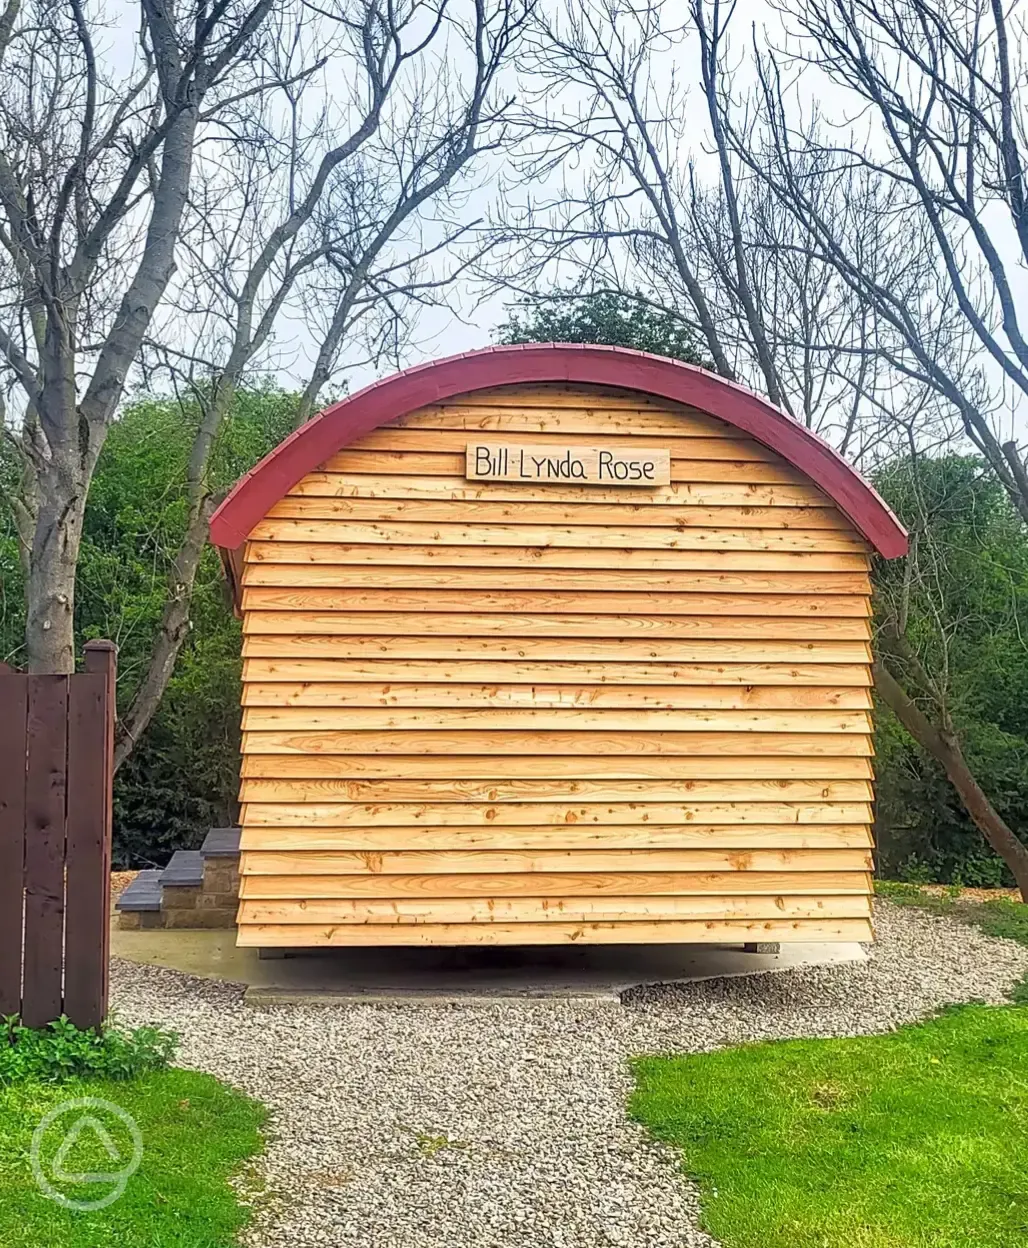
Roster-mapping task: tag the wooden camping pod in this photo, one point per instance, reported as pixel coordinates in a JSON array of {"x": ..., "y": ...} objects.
[{"x": 506, "y": 709}]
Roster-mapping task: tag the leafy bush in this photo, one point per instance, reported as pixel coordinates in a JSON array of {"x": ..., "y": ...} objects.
[
  {"x": 62, "y": 1051},
  {"x": 183, "y": 775},
  {"x": 968, "y": 622},
  {"x": 606, "y": 319}
]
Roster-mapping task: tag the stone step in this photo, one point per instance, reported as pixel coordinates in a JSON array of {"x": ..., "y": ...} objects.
[
  {"x": 221, "y": 843},
  {"x": 143, "y": 894},
  {"x": 185, "y": 870}
]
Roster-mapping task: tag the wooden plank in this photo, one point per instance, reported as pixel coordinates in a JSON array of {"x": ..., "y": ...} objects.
[
  {"x": 682, "y": 439},
  {"x": 45, "y": 791},
  {"x": 613, "y": 601},
  {"x": 632, "y": 411},
  {"x": 591, "y": 743},
  {"x": 101, "y": 657},
  {"x": 88, "y": 868},
  {"x": 716, "y": 679},
  {"x": 714, "y": 493},
  {"x": 561, "y": 394},
  {"x": 421, "y": 790},
  {"x": 684, "y": 472},
  {"x": 735, "y": 837},
  {"x": 532, "y": 511},
  {"x": 726, "y": 563},
  {"x": 605, "y": 768},
  {"x": 13, "y": 749},
  {"x": 517, "y": 625},
  {"x": 547, "y": 423},
  {"x": 308, "y": 816},
  {"x": 375, "y": 910},
  {"x": 452, "y": 463},
  {"x": 562, "y": 873},
  {"x": 594, "y": 536},
  {"x": 654, "y": 697},
  {"x": 543, "y": 719},
  {"x": 548, "y": 649},
  {"x": 580, "y": 581},
  {"x": 737, "y": 931},
  {"x": 703, "y": 467},
  {"x": 553, "y": 443}
]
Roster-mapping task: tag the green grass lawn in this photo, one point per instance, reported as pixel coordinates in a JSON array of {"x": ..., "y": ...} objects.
[
  {"x": 195, "y": 1134},
  {"x": 916, "y": 1139}
]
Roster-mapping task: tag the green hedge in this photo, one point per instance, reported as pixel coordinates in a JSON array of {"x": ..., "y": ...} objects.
[
  {"x": 183, "y": 776},
  {"x": 968, "y": 621}
]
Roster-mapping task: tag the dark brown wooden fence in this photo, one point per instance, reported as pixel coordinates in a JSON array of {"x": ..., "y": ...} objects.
[{"x": 56, "y": 771}]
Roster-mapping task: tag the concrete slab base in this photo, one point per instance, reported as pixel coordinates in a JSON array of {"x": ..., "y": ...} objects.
[{"x": 405, "y": 975}]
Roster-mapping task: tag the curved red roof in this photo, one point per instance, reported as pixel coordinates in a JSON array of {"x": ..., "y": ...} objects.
[{"x": 377, "y": 404}]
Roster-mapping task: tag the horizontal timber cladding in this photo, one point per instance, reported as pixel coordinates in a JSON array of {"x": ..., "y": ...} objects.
[
  {"x": 363, "y": 605},
  {"x": 553, "y": 649},
  {"x": 477, "y": 871},
  {"x": 538, "y": 909},
  {"x": 369, "y": 625},
  {"x": 597, "y": 677},
  {"x": 570, "y": 769},
  {"x": 654, "y": 697},
  {"x": 542, "y": 718},
  {"x": 464, "y": 511},
  {"x": 598, "y": 744},
  {"x": 495, "y": 712},
  {"x": 342, "y": 486},
  {"x": 571, "y": 535},
  {"x": 310, "y": 816},
  {"x": 734, "y": 837},
  {"x": 753, "y": 564},
  {"x": 553, "y": 932}
]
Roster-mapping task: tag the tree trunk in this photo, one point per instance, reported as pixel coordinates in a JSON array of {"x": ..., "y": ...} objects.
[
  {"x": 944, "y": 747},
  {"x": 175, "y": 625},
  {"x": 50, "y": 585}
]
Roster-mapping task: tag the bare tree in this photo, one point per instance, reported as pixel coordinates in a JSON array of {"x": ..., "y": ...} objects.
[
  {"x": 936, "y": 171},
  {"x": 95, "y": 169},
  {"x": 921, "y": 214},
  {"x": 925, "y": 614},
  {"x": 628, "y": 196},
  {"x": 319, "y": 214}
]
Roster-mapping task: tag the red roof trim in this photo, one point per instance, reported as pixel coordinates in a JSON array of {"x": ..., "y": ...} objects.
[{"x": 339, "y": 425}]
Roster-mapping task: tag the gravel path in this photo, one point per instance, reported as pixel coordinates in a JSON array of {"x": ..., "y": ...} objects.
[{"x": 482, "y": 1126}]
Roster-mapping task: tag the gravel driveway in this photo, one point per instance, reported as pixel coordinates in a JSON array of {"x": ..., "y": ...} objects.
[{"x": 429, "y": 1126}]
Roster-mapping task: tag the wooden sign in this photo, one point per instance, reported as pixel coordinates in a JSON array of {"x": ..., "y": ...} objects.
[{"x": 567, "y": 465}]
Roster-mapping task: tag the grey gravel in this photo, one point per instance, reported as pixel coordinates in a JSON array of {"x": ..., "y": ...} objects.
[{"x": 503, "y": 1123}]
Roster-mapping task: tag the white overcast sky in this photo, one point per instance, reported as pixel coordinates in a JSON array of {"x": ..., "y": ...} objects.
[{"x": 467, "y": 323}]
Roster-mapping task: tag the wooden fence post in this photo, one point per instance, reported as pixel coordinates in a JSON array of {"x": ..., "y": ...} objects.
[
  {"x": 45, "y": 822},
  {"x": 91, "y": 713},
  {"x": 13, "y": 752},
  {"x": 56, "y": 776}
]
